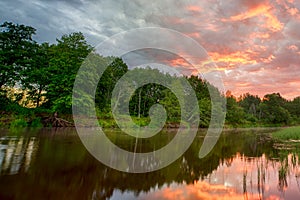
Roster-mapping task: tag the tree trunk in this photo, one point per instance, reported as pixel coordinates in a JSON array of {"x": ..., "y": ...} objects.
[
  {"x": 39, "y": 97},
  {"x": 140, "y": 103}
]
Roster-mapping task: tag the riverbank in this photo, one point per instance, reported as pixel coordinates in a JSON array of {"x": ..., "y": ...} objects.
[
  {"x": 31, "y": 119},
  {"x": 45, "y": 119}
]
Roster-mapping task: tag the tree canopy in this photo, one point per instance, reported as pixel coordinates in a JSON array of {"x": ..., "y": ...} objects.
[{"x": 45, "y": 74}]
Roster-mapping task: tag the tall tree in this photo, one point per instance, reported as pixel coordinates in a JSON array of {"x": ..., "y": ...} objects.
[
  {"x": 235, "y": 114},
  {"x": 16, "y": 51},
  {"x": 36, "y": 76},
  {"x": 272, "y": 109},
  {"x": 250, "y": 104},
  {"x": 66, "y": 58},
  {"x": 116, "y": 68}
]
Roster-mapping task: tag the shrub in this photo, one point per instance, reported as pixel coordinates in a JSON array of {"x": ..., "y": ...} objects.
[
  {"x": 18, "y": 123},
  {"x": 36, "y": 122}
]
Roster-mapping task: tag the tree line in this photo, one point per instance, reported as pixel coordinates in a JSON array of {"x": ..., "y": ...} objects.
[{"x": 44, "y": 74}]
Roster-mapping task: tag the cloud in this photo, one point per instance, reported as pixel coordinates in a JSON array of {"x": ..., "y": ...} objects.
[
  {"x": 254, "y": 43},
  {"x": 292, "y": 30}
]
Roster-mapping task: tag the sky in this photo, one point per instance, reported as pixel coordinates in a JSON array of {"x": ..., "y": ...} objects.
[{"x": 255, "y": 44}]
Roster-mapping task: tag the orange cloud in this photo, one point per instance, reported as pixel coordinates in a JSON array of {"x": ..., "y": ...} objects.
[
  {"x": 293, "y": 11},
  {"x": 194, "y": 35},
  {"x": 271, "y": 21},
  {"x": 268, "y": 59},
  {"x": 194, "y": 8},
  {"x": 293, "y": 47},
  {"x": 260, "y": 35},
  {"x": 251, "y": 13},
  {"x": 204, "y": 190},
  {"x": 233, "y": 58},
  {"x": 179, "y": 62}
]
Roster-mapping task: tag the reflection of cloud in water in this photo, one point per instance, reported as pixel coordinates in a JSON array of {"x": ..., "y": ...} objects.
[
  {"x": 236, "y": 178},
  {"x": 16, "y": 154}
]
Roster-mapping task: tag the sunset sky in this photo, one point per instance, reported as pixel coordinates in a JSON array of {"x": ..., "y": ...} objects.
[{"x": 254, "y": 43}]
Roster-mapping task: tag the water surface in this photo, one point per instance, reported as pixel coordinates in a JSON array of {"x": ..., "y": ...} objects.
[{"x": 53, "y": 164}]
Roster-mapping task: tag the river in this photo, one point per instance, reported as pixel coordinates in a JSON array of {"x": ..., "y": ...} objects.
[{"x": 54, "y": 164}]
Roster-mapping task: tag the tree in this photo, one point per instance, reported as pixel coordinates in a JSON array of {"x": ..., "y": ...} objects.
[
  {"x": 250, "y": 104},
  {"x": 205, "y": 112},
  {"x": 36, "y": 76},
  {"x": 16, "y": 51},
  {"x": 171, "y": 104},
  {"x": 116, "y": 68},
  {"x": 272, "y": 109},
  {"x": 199, "y": 86},
  {"x": 66, "y": 58},
  {"x": 235, "y": 114},
  {"x": 294, "y": 107}
]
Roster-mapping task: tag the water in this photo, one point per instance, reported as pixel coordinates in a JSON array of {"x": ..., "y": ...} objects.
[{"x": 53, "y": 164}]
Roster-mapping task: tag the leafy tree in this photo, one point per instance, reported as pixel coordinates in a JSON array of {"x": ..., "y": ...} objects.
[
  {"x": 66, "y": 58},
  {"x": 250, "y": 103},
  {"x": 294, "y": 108},
  {"x": 16, "y": 51},
  {"x": 272, "y": 109},
  {"x": 149, "y": 94},
  {"x": 235, "y": 114},
  {"x": 205, "y": 112},
  {"x": 199, "y": 86},
  {"x": 115, "y": 70},
  {"x": 36, "y": 76},
  {"x": 171, "y": 104}
]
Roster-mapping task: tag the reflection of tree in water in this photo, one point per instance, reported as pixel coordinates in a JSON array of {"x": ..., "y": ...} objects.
[
  {"x": 295, "y": 161},
  {"x": 261, "y": 176},
  {"x": 288, "y": 164},
  {"x": 282, "y": 178},
  {"x": 64, "y": 169},
  {"x": 186, "y": 169},
  {"x": 282, "y": 175},
  {"x": 16, "y": 154}
]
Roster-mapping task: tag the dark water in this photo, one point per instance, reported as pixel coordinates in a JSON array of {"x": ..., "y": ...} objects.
[{"x": 53, "y": 164}]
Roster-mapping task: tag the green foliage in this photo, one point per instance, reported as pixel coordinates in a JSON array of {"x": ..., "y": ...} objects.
[
  {"x": 235, "y": 114},
  {"x": 18, "y": 123},
  {"x": 65, "y": 59},
  {"x": 291, "y": 133},
  {"x": 171, "y": 104},
  {"x": 141, "y": 121},
  {"x": 36, "y": 75},
  {"x": 116, "y": 68},
  {"x": 273, "y": 110},
  {"x": 250, "y": 104},
  {"x": 205, "y": 112},
  {"x": 16, "y": 50},
  {"x": 14, "y": 107},
  {"x": 46, "y": 72},
  {"x": 4, "y": 101},
  {"x": 36, "y": 123}
]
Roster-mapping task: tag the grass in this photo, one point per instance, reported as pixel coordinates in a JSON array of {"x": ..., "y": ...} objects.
[
  {"x": 36, "y": 123},
  {"x": 291, "y": 133},
  {"x": 18, "y": 123}
]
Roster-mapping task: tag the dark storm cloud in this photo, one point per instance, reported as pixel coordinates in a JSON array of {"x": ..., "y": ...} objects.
[{"x": 254, "y": 43}]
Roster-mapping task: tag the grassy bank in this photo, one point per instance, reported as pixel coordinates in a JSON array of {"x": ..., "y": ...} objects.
[{"x": 290, "y": 133}]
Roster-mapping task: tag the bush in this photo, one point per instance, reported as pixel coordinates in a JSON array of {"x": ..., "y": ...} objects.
[
  {"x": 18, "y": 123},
  {"x": 36, "y": 122}
]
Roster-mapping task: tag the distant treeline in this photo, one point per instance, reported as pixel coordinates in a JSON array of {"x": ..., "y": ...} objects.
[{"x": 38, "y": 78}]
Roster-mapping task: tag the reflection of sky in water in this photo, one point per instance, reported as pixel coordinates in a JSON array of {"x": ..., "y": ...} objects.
[
  {"x": 236, "y": 178},
  {"x": 16, "y": 154},
  {"x": 25, "y": 170}
]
